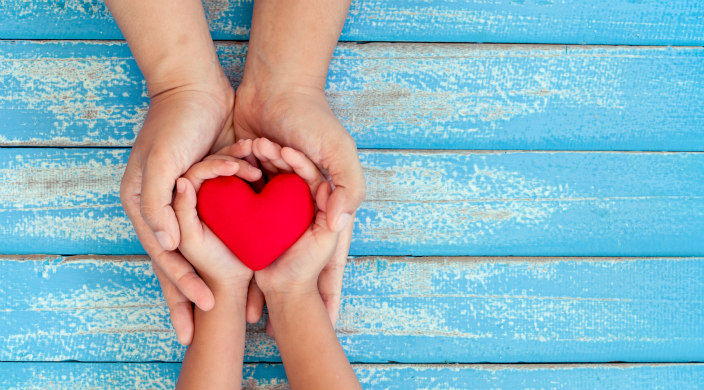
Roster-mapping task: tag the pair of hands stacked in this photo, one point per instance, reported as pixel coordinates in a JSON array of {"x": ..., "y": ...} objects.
[
  {"x": 293, "y": 274},
  {"x": 194, "y": 113},
  {"x": 188, "y": 122}
]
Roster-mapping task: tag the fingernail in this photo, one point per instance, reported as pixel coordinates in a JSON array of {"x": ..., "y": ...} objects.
[
  {"x": 164, "y": 240},
  {"x": 180, "y": 186},
  {"x": 342, "y": 221}
]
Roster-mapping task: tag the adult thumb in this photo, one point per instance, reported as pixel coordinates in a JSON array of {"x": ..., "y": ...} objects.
[
  {"x": 158, "y": 179},
  {"x": 350, "y": 188}
]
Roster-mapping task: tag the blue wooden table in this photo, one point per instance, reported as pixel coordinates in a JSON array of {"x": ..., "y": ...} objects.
[{"x": 535, "y": 208}]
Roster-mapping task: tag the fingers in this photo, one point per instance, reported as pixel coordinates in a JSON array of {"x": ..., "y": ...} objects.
[
  {"x": 185, "y": 209},
  {"x": 240, "y": 149},
  {"x": 330, "y": 286},
  {"x": 349, "y": 187},
  {"x": 330, "y": 278},
  {"x": 269, "y": 155},
  {"x": 304, "y": 167},
  {"x": 220, "y": 165},
  {"x": 159, "y": 176},
  {"x": 322, "y": 196},
  {"x": 255, "y": 303},
  {"x": 174, "y": 266},
  {"x": 180, "y": 308},
  {"x": 182, "y": 274}
]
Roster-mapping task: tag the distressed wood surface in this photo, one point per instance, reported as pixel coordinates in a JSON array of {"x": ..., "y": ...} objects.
[
  {"x": 648, "y": 22},
  {"x": 143, "y": 376},
  {"x": 411, "y": 310},
  {"x": 425, "y": 96},
  {"x": 65, "y": 201}
]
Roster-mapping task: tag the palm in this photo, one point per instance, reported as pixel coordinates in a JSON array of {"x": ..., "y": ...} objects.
[
  {"x": 180, "y": 128},
  {"x": 219, "y": 258},
  {"x": 302, "y": 261},
  {"x": 188, "y": 125},
  {"x": 301, "y": 121},
  {"x": 304, "y": 121}
]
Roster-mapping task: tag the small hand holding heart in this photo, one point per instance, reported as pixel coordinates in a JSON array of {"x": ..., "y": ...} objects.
[
  {"x": 270, "y": 232},
  {"x": 214, "y": 261}
]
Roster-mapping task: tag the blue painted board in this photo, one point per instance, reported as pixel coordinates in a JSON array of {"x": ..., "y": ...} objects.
[
  {"x": 413, "y": 310},
  {"x": 645, "y": 22},
  {"x": 158, "y": 376},
  {"x": 393, "y": 96},
  {"x": 65, "y": 201}
]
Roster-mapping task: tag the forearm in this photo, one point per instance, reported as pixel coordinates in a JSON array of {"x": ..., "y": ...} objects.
[
  {"x": 170, "y": 41},
  {"x": 292, "y": 42},
  {"x": 214, "y": 358},
  {"x": 310, "y": 350}
]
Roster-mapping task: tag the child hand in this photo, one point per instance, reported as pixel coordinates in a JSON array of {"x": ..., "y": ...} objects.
[
  {"x": 297, "y": 270},
  {"x": 215, "y": 263}
]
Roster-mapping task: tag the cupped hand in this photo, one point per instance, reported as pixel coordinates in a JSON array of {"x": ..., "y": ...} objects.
[
  {"x": 182, "y": 126},
  {"x": 215, "y": 263},
  {"x": 297, "y": 270},
  {"x": 301, "y": 118}
]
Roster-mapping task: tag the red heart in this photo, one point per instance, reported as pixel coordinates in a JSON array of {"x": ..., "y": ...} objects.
[{"x": 258, "y": 228}]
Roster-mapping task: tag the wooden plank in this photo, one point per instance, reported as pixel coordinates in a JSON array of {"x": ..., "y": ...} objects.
[
  {"x": 153, "y": 376},
  {"x": 411, "y": 310},
  {"x": 423, "y": 96},
  {"x": 65, "y": 201},
  {"x": 649, "y": 22}
]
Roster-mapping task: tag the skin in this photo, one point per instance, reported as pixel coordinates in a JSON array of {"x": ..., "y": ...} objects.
[
  {"x": 194, "y": 112},
  {"x": 214, "y": 358},
  {"x": 311, "y": 354}
]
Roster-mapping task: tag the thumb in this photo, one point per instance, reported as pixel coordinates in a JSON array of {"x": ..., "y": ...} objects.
[
  {"x": 349, "y": 190},
  {"x": 158, "y": 178}
]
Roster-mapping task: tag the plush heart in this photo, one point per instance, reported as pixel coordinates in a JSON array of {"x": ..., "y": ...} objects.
[{"x": 258, "y": 228}]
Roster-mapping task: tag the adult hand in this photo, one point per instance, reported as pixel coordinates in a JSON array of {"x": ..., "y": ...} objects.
[
  {"x": 183, "y": 124},
  {"x": 301, "y": 118},
  {"x": 190, "y": 115}
]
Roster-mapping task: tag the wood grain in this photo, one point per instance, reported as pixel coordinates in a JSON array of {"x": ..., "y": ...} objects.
[
  {"x": 649, "y": 22},
  {"x": 154, "y": 376},
  {"x": 429, "y": 310},
  {"x": 65, "y": 201},
  {"x": 414, "y": 96}
]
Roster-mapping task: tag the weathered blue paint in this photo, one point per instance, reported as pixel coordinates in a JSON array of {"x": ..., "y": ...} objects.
[
  {"x": 65, "y": 201},
  {"x": 162, "y": 376},
  {"x": 391, "y": 96},
  {"x": 104, "y": 310},
  {"x": 415, "y": 310},
  {"x": 648, "y": 22}
]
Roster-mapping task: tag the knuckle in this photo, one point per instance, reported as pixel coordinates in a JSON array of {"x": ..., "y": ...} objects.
[
  {"x": 148, "y": 212},
  {"x": 336, "y": 266},
  {"x": 360, "y": 191},
  {"x": 159, "y": 153},
  {"x": 127, "y": 190},
  {"x": 187, "y": 278},
  {"x": 159, "y": 261},
  {"x": 357, "y": 193}
]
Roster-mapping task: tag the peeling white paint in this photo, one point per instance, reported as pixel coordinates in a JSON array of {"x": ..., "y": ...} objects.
[{"x": 78, "y": 227}]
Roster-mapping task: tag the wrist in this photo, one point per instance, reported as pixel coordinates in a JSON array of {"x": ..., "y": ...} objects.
[
  {"x": 285, "y": 295},
  {"x": 262, "y": 85},
  {"x": 203, "y": 77},
  {"x": 261, "y": 75},
  {"x": 274, "y": 106},
  {"x": 228, "y": 288}
]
